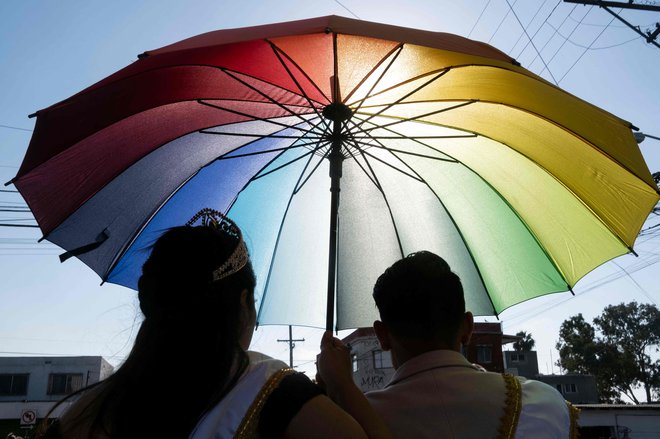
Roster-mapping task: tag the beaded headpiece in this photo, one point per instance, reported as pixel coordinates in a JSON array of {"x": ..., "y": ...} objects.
[{"x": 239, "y": 257}]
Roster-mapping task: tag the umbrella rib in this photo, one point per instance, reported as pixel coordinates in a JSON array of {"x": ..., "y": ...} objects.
[
  {"x": 293, "y": 78},
  {"x": 365, "y": 153},
  {"x": 396, "y": 49},
  {"x": 416, "y": 154},
  {"x": 301, "y": 145},
  {"x": 258, "y": 176},
  {"x": 382, "y": 192},
  {"x": 129, "y": 242},
  {"x": 416, "y": 140},
  {"x": 272, "y": 136},
  {"x": 277, "y": 239},
  {"x": 249, "y": 181},
  {"x": 391, "y": 151},
  {"x": 415, "y": 118},
  {"x": 390, "y": 105},
  {"x": 454, "y": 160},
  {"x": 325, "y": 155},
  {"x": 458, "y": 136},
  {"x": 253, "y": 117},
  {"x": 230, "y": 73},
  {"x": 449, "y": 215},
  {"x": 613, "y": 232},
  {"x": 380, "y": 145},
  {"x": 265, "y": 151},
  {"x": 369, "y": 176},
  {"x": 280, "y": 50},
  {"x": 453, "y": 67}
]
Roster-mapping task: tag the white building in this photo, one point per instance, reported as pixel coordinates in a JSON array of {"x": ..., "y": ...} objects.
[{"x": 30, "y": 386}]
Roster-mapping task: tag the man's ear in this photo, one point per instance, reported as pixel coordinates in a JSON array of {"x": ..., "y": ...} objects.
[
  {"x": 467, "y": 326},
  {"x": 383, "y": 335}
]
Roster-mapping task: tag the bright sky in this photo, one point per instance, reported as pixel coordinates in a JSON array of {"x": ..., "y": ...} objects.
[{"x": 50, "y": 50}]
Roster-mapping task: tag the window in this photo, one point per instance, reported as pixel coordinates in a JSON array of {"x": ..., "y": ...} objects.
[
  {"x": 517, "y": 357},
  {"x": 64, "y": 383},
  {"x": 559, "y": 388},
  {"x": 354, "y": 360},
  {"x": 570, "y": 388},
  {"x": 382, "y": 360},
  {"x": 484, "y": 353},
  {"x": 12, "y": 384}
]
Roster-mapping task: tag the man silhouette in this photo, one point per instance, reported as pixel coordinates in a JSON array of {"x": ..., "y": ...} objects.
[{"x": 435, "y": 392}]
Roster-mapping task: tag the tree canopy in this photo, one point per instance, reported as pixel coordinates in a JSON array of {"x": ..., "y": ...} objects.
[
  {"x": 616, "y": 349},
  {"x": 525, "y": 342}
]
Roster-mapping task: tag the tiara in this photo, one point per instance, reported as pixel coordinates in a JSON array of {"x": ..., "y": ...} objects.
[{"x": 239, "y": 257}]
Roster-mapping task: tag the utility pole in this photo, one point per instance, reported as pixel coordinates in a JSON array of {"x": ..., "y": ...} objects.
[
  {"x": 630, "y": 4},
  {"x": 292, "y": 345}
]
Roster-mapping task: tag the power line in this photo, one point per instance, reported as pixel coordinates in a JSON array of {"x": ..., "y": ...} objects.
[
  {"x": 352, "y": 13},
  {"x": 649, "y": 36},
  {"x": 528, "y": 24},
  {"x": 648, "y": 6},
  {"x": 569, "y": 35},
  {"x": 480, "y": 15},
  {"x": 15, "y": 128},
  {"x": 532, "y": 42},
  {"x": 592, "y": 48},
  {"x": 586, "y": 50},
  {"x": 636, "y": 283},
  {"x": 614, "y": 25},
  {"x": 551, "y": 36},
  {"x": 502, "y": 21},
  {"x": 537, "y": 31}
]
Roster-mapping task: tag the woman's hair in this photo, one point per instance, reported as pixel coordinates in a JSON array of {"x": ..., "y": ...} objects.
[{"x": 187, "y": 353}]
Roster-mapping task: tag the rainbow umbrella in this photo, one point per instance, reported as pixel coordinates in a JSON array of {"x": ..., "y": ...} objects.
[{"x": 340, "y": 146}]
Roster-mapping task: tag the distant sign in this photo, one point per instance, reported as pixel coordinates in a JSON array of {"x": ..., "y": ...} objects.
[{"x": 28, "y": 417}]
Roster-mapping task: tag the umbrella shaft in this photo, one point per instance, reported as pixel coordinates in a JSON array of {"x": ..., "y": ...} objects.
[{"x": 336, "y": 159}]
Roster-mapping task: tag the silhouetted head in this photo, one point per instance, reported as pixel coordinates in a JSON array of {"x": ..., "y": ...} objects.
[
  {"x": 196, "y": 294},
  {"x": 419, "y": 297},
  {"x": 201, "y": 276}
]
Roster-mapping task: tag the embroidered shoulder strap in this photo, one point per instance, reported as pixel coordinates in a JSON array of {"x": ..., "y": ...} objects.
[
  {"x": 574, "y": 413},
  {"x": 250, "y": 422},
  {"x": 512, "y": 408}
]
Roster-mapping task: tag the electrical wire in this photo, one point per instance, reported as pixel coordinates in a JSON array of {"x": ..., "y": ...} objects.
[
  {"x": 587, "y": 49},
  {"x": 614, "y": 25},
  {"x": 592, "y": 48},
  {"x": 551, "y": 36},
  {"x": 537, "y": 31},
  {"x": 527, "y": 27},
  {"x": 502, "y": 21},
  {"x": 569, "y": 35},
  {"x": 343, "y": 6},
  {"x": 532, "y": 42},
  {"x": 15, "y": 128},
  {"x": 480, "y": 15}
]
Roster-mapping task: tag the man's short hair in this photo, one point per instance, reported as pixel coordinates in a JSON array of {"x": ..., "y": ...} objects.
[{"x": 420, "y": 297}]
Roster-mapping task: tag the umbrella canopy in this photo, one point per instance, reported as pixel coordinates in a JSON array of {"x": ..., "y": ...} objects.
[{"x": 339, "y": 146}]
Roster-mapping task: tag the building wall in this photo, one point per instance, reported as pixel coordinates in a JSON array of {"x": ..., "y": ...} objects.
[
  {"x": 520, "y": 363},
  {"x": 369, "y": 374},
  {"x": 365, "y": 348},
  {"x": 621, "y": 421},
  {"x": 486, "y": 336},
  {"x": 39, "y": 370},
  {"x": 578, "y": 389}
]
